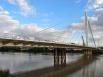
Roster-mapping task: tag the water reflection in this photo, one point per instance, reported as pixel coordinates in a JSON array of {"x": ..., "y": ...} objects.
[
  {"x": 20, "y": 62},
  {"x": 17, "y": 62},
  {"x": 89, "y": 71},
  {"x": 94, "y": 69}
]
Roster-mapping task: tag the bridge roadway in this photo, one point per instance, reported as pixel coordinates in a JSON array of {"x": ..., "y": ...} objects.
[{"x": 25, "y": 43}]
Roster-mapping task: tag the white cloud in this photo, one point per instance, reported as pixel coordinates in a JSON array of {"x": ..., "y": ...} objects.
[
  {"x": 98, "y": 3},
  {"x": 3, "y": 12},
  {"x": 6, "y": 21},
  {"x": 76, "y": 26},
  {"x": 11, "y": 28},
  {"x": 34, "y": 32},
  {"x": 96, "y": 24},
  {"x": 94, "y": 4},
  {"x": 25, "y": 8},
  {"x": 96, "y": 21}
]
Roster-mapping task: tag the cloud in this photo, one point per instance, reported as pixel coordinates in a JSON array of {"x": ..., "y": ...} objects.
[
  {"x": 94, "y": 4},
  {"x": 35, "y": 33},
  {"x": 76, "y": 26},
  {"x": 2, "y": 11},
  {"x": 96, "y": 25},
  {"x": 6, "y": 21},
  {"x": 25, "y": 8},
  {"x": 96, "y": 21},
  {"x": 11, "y": 28}
]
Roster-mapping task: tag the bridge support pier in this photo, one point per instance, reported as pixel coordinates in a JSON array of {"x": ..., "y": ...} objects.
[
  {"x": 88, "y": 52},
  {"x": 59, "y": 57}
]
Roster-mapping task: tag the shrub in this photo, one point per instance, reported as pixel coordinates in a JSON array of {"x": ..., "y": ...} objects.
[{"x": 5, "y": 73}]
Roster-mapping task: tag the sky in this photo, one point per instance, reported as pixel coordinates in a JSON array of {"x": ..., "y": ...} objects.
[
  {"x": 50, "y": 20},
  {"x": 45, "y": 13}
]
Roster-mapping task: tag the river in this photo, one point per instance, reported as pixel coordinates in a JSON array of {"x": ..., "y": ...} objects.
[
  {"x": 95, "y": 69},
  {"x": 21, "y": 62}
]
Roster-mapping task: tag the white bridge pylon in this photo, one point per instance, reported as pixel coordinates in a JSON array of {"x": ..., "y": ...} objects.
[{"x": 88, "y": 32}]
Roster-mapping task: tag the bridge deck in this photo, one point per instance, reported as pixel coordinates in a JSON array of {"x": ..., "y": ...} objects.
[{"x": 42, "y": 44}]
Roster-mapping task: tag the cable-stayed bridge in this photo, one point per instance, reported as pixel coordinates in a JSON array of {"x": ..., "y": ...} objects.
[{"x": 59, "y": 49}]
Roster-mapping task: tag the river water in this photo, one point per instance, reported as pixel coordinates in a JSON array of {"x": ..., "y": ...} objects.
[
  {"x": 95, "y": 69},
  {"x": 21, "y": 62}
]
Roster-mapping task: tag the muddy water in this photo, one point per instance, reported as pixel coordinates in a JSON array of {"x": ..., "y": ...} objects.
[
  {"x": 95, "y": 69},
  {"x": 21, "y": 62}
]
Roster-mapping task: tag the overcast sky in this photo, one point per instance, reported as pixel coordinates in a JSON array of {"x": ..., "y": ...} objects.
[{"x": 50, "y": 20}]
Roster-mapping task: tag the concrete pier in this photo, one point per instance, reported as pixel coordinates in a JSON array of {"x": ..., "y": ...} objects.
[{"x": 59, "y": 56}]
